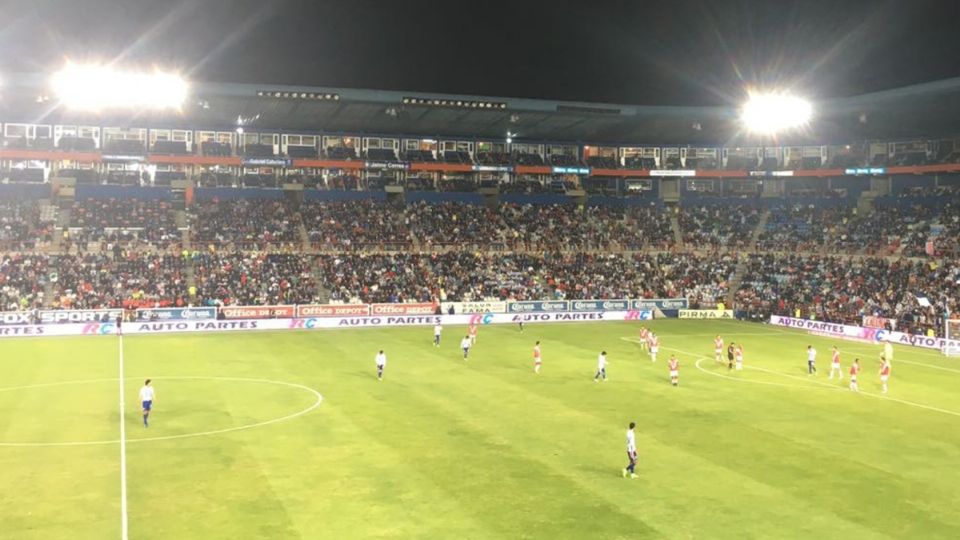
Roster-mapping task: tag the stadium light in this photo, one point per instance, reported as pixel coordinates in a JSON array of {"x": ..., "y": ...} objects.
[
  {"x": 95, "y": 87},
  {"x": 771, "y": 113}
]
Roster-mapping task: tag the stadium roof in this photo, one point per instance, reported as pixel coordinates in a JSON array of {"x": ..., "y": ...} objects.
[{"x": 925, "y": 110}]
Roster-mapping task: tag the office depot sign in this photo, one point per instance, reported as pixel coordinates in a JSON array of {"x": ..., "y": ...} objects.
[{"x": 333, "y": 310}]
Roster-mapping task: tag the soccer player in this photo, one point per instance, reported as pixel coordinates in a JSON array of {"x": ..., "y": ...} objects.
[
  {"x": 601, "y": 367},
  {"x": 644, "y": 337},
  {"x": 654, "y": 346},
  {"x": 465, "y": 345},
  {"x": 474, "y": 328},
  {"x": 381, "y": 363},
  {"x": 521, "y": 326},
  {"x": 674, "y": 370},
  {"x": 738, "y": 357},
  {"x": 730, "y": 352},
  {"x": 854, "y": 370},
  {"x": 811, "y": 360},
  {"x": 718, "y": 348},
  {"x": 536, "y": 358},
  {"x": 884, "y": 374},
  {"x": 631, "y": 452},
  {"x": 835, "y": 364},
  {"x": 146, "y": 400},
  {"x": 437, "y": 330}
]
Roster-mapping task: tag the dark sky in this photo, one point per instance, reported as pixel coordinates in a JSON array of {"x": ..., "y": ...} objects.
[{"x": 683, "y": 52}]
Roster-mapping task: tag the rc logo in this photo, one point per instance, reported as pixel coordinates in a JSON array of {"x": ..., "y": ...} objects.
[
  {"x": 635, "y": 315},
  {"x": 98, "y": 329},
  {"x": 303, "y": 323},
  {"x": 481, "y": 318}
]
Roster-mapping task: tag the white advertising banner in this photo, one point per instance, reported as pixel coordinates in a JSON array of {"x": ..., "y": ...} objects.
[
  {"x": 706, "y": 314},
  {"x": 475, "y": 307},
  {"x": 873, "y": 335},
  {"x": 316, "y": 323}
]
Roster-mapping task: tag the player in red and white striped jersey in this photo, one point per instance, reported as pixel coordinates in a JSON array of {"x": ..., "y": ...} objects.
[
  {"x": 835, "y": 364},
  {"x": 674, "y": 365},
  {"x": 718, "y": 348},
  {"x": 884, "y": 374},
  {"x": 644, "y": 337},
  {"x": 536, "y": 358},
  {"x": 738, "y": 357},
  {"x": 654, "y": 343},
  {"x": 854, "y": 370}
]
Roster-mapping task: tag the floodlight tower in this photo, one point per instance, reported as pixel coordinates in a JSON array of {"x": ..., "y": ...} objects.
[{"x": 775, "y": 112}]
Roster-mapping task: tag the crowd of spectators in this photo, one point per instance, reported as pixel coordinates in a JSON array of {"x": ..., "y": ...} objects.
[
  {"x": 254, "y": 279},
  {"x": 469, "y": 276},
  {"x": 23, "y": 226},
  {"x": 354, "y": 225},
  {"x": 844, "y": 289},
  {"x": 117, "y": 221},
  {"x": 718, "y": 226},
  {"x": 245, "y": 224},
  {"x": 23, "y": 278},
  {"x": 96, "y": 280}
]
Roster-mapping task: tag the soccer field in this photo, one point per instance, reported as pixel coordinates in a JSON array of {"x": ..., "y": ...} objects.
[{"x": 241, "y": 445}]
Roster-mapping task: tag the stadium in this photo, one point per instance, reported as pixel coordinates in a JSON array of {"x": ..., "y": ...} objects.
[{"x": 274, "y": 310}]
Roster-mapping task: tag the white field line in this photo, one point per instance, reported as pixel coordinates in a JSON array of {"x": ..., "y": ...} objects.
[
  {"x": 822, "y": 384},
  {"x": 291, "y": 416},
  {"x": 124, "y": 521}
]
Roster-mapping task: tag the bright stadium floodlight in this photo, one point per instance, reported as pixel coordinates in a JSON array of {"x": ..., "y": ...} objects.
[
  {"x": 95, "y": 87},
  {"x": 771, "y": 113}
]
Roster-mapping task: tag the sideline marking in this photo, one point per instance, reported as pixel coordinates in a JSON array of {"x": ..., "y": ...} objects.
[
  {"x": 124, "y": 522},
  {"x": 291, "y": 416}
]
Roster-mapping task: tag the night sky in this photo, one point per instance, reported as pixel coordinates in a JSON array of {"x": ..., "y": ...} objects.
[{"x": 679, "y": 52}]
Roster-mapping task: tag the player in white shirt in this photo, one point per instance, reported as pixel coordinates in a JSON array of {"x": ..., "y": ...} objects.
[
  {"x": 631, "y": 452},
  {"x": 835, "y": 364},
  {"x": 601, "y": 367},
  {"x": 437, "y": 330},
  {"x": 147, "y": 395},
  {"x": 381, "y": 364},
  {"x": 465, "y": 345},
  {"x": 811, "y": 360}
]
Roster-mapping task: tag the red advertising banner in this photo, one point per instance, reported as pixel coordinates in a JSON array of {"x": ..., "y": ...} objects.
[
  {"x": 333, "y": 310},
  {"x": 403, "y": 309},
  {"x": 258, "y": 312}
]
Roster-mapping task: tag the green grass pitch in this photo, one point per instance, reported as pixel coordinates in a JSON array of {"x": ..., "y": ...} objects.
[{"x": 445, "y": 449}]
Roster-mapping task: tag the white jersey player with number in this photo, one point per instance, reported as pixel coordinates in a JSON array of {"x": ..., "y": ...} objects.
[
  {"x": 601, "y": 368},
  {"x": 381, "y": 361}
]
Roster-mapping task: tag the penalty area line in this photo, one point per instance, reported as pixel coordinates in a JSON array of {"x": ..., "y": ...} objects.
[{"x": 821, "y": 384}]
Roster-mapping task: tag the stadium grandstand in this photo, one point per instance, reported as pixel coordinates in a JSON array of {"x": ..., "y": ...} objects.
[{"x": 256, "y": 193}]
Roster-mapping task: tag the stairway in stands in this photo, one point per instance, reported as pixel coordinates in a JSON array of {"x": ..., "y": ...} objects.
[
  {"x": 305, "y": 246},
  {"x": 677, "y": 233},
  {"x": 183, "y": 225},
  {"x": 741, "y": 269},
  {"x": 323, "y": 293},
  {"x": 761, "y": 226}
]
